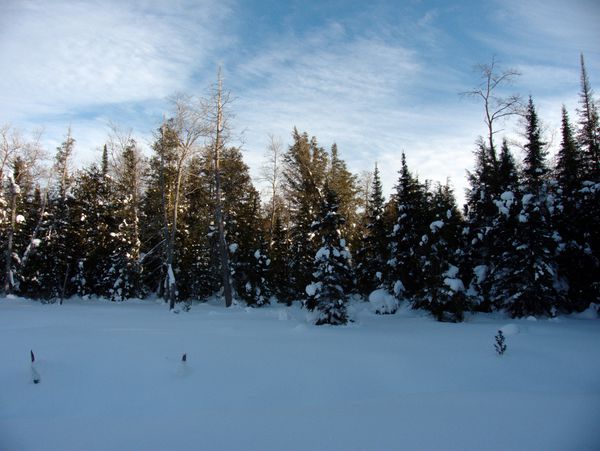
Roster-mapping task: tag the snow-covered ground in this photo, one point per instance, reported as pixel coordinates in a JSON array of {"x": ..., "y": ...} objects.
[{"x": 266, "y": 379}]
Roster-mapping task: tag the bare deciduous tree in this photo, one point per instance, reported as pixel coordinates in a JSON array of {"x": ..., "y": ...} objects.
[
  {"x": 271, "y": 172},
  {"x": 19, "y": 163},
  {"x": 496, "y": 106},
  {"x": 190, "y": 125}
]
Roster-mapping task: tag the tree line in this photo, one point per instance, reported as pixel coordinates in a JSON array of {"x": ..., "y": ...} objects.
[{"x": 187, "y": 222}]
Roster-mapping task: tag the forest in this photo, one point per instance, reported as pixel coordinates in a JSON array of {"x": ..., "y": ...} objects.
[{"x": 186, "y": 222}]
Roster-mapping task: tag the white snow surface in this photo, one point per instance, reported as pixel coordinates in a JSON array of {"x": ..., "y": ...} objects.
[{"x": 266, "y": 379}]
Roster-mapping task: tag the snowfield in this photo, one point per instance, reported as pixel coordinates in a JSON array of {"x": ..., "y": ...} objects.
[{"x": 267, "y": 379}]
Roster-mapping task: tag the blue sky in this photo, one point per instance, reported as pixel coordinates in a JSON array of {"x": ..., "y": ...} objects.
[{"x": 377, "y": 77}]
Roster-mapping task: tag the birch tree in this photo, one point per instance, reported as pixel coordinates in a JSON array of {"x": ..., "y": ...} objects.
[{"x": 19, "y": 165}]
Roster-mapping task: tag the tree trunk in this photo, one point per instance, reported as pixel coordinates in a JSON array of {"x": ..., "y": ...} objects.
[
  {"x": 223, "y": 251},
  {"x": 164, "y": 285},
  {"x": 8, "y": 276}
]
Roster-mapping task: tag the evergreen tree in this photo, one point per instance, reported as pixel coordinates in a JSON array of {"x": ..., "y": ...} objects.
[
  {"x": 51, "y": 268},
  {"x": 372, "y": 255},
  {"x": 279, "y": 268},
  {"x": 344, "y": 183},
  {"x": 568, "y": 165},
  {"x": 332, "y": 276},
  {"x": 532, "y": 272},
  {"x": 199, "y": 261},
  {"x": 94, "y": 214},
  {"x": 125, "y": 259},
  {"x": 404, "y": 274},
  {"x": 589, "y": 131},
  {"x": 305, "y": 170},
  {"x": 480, "y": 211},
  {"x": 502, "y": 233},
  {"x": 575, "y": 258},
  {"x": 442, "y": 292},
  {"x": 158, "y": 205}
]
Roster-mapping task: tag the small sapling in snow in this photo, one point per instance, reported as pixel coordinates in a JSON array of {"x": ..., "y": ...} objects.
[
  {"x": 35, "y": 376},
  {"x": 499, "y": 345},
  {"x": 184, "y": 357}
]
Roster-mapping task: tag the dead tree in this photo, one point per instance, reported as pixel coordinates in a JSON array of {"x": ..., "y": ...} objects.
[{"x": 219, "y": 133}]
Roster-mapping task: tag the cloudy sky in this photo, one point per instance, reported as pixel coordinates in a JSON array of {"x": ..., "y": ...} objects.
[{"x": 376, "y": 77}]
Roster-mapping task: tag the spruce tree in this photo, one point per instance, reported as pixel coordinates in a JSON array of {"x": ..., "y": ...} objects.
[
  {"x": 372, "y": 254},
  {"x": 440, "y": 257},
  {"x": 305, "y": 169},
  {"x": 52, "y": 266},
  {"x": 279, "y": 268},
  {"x": 532, "y": 275},
  {"x": 332, "y": 277},
  {"x": 575, "y": 259},
  {"x": 125, "y": 258},
  {"x": 403, "y": 277},
  {"x": 589, "y": 131},
  {"x": 157, "y": 206},
  {"x": 344, "y": 183},
  {"x": 94, "y": 214}
]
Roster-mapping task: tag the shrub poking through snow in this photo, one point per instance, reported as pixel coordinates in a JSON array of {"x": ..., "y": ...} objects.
[
  {"x": 35, "y": 376},
  {"x": 500, "y": 346}
]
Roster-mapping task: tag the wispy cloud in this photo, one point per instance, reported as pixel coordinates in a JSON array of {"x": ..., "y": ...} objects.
[
  {"x": 364, "y": 93},
  {"x": 66, "y": 55}
]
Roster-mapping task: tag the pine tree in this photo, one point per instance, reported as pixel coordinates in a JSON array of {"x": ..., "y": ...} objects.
[
  {"x": 532, "y": 274},
  {"x": 589, "y": 131},
  {"x": 305, "y": 169},
  {"x": 94, "y": 214},
  {"x": 125, "y": 259},
  {"x": 568, "y": 165},
  {"x": 344, "y": 183},
  {"x": 158, "y": 204},
  {"x": 332, "y": 276},
  {"x": 502, "y": 233},
  {"x": 279, "y": 268},
  {"x": 404, "y": 274},
  {"x": 52, "y": 266},
  {"x": 198, "y": 259},
  {"x": 575, "y": 260},
  {"x": 588, "y": 223},
  {"x": 480, "y": 212},
  {"x": 440, "y": 257},
  {"x": 372, "y": 255}
]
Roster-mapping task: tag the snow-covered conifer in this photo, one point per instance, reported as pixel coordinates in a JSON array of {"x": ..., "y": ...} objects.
[{"x": 332, "y": 278}]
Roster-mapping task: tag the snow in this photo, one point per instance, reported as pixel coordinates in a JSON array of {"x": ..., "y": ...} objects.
[
  {"x": 266, "y": 379},
  {"x": 398, "y": 287},
  {"x": 527, "y": 198},
  {"x": 322, "y": 254},
  {"x": 20, "y": 219},
  {"x": 233, "y": 247},
  {"x": 312, "y": 288},
  {"x": 172, "y": 280},
  {"x": 454, "y": 284},
  {"x": 382, "y": 302},
  {"x": 481, "y": 272},
  {"x": 452, "y": 271},
  {"x": 435, "y": 226}
]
